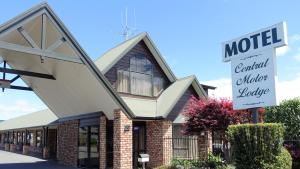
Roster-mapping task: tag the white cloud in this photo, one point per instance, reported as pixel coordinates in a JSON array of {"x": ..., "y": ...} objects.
[
  {"x": 282, "y": 50},
  {"x": 223, "y": 89},
  {"x": 286, "y": 89},
  {"x": 17, "y": 108}
]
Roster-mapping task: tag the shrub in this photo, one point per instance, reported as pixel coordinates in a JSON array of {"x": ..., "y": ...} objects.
[
  {"x": 287, "y": 113},
  {"x": 215, "y": 162},
  {"x": 256, "y": 144},
  {"x": 165, "y": 167},
  {"x": 186, "y": 163},
  {"x": 283, "y": 161}
]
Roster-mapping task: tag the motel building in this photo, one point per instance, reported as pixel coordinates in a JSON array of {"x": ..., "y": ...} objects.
[{"x": 103, "y": 113}]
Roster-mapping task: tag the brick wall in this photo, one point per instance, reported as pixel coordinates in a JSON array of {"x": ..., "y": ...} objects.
[
  {"x": 204, "y": 144},
  {"x": 122, "y": 141},
  {"x": 67, "y": 142},
  {"x": 102, "y": 146},
  {"x": 158, "y": 148}
]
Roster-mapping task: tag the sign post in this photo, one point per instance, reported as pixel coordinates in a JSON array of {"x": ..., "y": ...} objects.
[{"x": 253, "y": 67}]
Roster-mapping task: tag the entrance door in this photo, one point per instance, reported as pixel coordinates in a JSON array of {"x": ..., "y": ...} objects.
[
  {"x": 139, "y": 141},
  {"x": 88, "y": 150}
]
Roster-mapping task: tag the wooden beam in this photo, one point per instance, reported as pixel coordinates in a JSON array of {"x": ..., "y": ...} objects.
[
  {"x": 27, "y": 37},
  {"x": 43, "y": 35},
  {"x": 27, "y": 73},
  {"x": 39, "y": 52},
  {"x": 56, "y": 44}
]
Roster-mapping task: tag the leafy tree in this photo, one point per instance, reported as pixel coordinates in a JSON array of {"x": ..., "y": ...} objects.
[
  {"x": 288, "y": 113},
  {"x": 213, "y": 115}
]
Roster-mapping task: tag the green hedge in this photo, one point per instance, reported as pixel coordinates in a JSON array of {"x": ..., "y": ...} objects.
[{"x": 256, "y": 145}]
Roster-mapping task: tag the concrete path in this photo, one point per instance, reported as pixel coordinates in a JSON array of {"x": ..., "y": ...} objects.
[{"x": 17, "y": 161}]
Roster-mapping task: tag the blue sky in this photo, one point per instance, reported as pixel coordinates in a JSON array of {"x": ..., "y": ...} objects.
[{"x": 188, "y": 34}]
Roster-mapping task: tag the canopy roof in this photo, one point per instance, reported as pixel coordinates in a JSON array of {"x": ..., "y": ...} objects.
[
  {"x": 37, "y": 41},
  {"x": 36, "y": 119}
]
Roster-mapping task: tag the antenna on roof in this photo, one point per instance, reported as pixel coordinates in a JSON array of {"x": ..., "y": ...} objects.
[{"x": 127, "y": 30}]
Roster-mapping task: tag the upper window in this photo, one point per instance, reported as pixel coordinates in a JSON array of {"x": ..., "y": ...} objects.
[{"x": 139, "y": 79}]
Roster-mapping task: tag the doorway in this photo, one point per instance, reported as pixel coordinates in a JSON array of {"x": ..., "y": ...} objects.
[
  {"x": 139, "y": 141},
  {"x": 88, "y": 150}
]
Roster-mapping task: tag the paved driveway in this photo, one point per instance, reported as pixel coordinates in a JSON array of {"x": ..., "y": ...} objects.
[{"x": 17, "y": 161}]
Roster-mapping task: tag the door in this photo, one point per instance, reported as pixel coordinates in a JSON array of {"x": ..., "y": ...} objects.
[
  {"x": 139, "y": 141},
  {"x": 88, "y": 150}
]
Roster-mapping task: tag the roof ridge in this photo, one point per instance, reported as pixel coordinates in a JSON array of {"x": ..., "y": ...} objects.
[
  {"x": 142, "y": 34},
  {"x": 186, "y": 77}
]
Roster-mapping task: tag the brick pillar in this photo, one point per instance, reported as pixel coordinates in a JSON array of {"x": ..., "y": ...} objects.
[
  {"x": 102, "y": 147},
  {"x": 122, "y": 141},
  {"x": 204, "y": 144},
  {"x": 46, "y": 153},
  {"x": 67, "y": 142},
  {"x": 159, "y": 142}
]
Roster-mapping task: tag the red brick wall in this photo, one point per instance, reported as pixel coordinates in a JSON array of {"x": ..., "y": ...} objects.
[
  {"x": 122, "y": 141},
  {"x": 67, "y": 139},
  {"x": 204, "y": 144},
  {"x": 102, "y": 146},
  {"x": 158, "y": 148}
]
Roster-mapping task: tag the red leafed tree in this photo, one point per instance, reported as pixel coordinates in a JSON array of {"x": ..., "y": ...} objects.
[{"x": 213, "y": 115}]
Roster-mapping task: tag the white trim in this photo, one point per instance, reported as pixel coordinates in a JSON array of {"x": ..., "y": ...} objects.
[
  {"x": 27, "y": 37},
  {"x": 39, "y": 52}
]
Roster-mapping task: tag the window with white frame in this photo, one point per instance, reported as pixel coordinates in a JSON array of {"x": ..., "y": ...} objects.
[{"x": 139, "y": 79}]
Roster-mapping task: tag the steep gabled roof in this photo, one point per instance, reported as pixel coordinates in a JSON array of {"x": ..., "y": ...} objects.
[
  {"x": 163, "y": 105},
  {"x": 36, "y": 119},
  {"x": 168, "y": 99},
  {"x": 111, "y": 57}
]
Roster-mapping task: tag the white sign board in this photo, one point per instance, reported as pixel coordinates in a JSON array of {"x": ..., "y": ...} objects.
[
  {"x": 254, "y": 80},
  {"x": 267, "y": 38},
  {"x": 253, "y": 66}
]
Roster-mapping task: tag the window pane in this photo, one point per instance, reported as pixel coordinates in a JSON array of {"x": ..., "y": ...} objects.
[
  {"x": 141, "y": 84},
  {"x": 133, "y": 64},
  {"x": 83, "y": 152},
  {"x": 39, "y": 138},
  {"x": 123, "y": 81},
  {"x": 94, "y": 142},
  {"x": 148, "y": 67},
  {"x": 140, "y": 64},
  {"x": 158, "y": 86}
]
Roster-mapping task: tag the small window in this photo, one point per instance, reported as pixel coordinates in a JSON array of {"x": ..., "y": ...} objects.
[
  {"x": 141, "y": 84},
  {"x": 11, "y": 137},
  {"x": 39, "y": 135},
  {"x": 24, "y": 137},
  {"x": 158, "y": 86},
  {"x": 19, "y": 139},
  {"x": 123, "y": 81},
  {"x": 30, "y": 138}
]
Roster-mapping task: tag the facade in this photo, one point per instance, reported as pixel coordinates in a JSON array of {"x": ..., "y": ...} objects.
[{"x": 127, "y": 102}]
